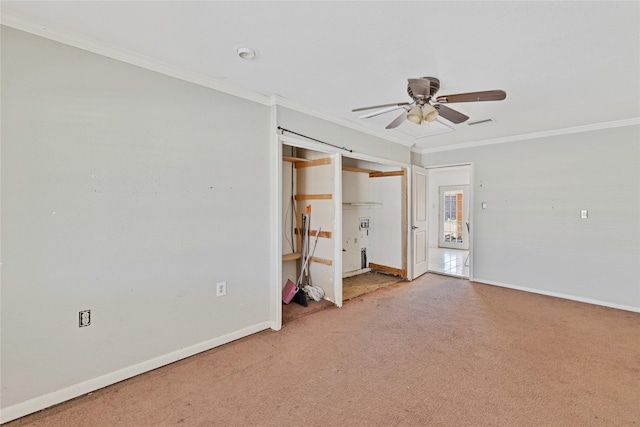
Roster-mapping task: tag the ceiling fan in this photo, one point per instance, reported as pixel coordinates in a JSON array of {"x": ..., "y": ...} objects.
[{"x": 421, "y": 110}]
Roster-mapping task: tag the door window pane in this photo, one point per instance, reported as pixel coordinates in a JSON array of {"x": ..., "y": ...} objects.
[{"x": 453, "y": 216}]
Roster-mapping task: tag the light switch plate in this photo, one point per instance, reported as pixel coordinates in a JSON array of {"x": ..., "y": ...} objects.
[{"x": 584, "y": 214}]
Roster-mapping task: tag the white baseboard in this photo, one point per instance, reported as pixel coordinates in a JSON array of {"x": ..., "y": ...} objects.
[
  {"x": 41, "y": 402},
  {"x": 559, "y": 295},
  {"x": 276, "y": 326}
]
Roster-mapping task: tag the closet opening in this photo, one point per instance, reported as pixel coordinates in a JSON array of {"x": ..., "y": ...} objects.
[
  {"x": 374, "y": 226},
  {"x": 344, "y": 227},
  {"x": 309, "y": 200}
]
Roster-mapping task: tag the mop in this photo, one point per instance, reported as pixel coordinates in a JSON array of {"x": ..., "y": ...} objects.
[{"x": 314, "y": 292}]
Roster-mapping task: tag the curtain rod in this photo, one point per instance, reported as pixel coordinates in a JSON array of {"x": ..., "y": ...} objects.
[{"x": 281, "y": 129}]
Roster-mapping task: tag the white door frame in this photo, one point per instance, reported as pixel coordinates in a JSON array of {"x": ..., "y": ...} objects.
[
  {"x": 275, "y": 219},
  {"x": 471, "y": 207}
]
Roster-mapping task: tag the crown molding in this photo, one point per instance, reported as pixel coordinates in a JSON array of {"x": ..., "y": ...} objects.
[
  {"x": 555, "y": 132},
  {"x": 95, "y": 46},
  {"x": 284, "y": 102}
]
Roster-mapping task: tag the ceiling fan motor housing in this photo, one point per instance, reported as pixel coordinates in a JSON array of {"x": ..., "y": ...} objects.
[{"x": 434, "y": 86}]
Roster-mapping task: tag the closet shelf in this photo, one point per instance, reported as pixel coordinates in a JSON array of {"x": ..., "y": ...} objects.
[
  {"x": 353, "y": 169},
  {"x": 294, "y": 159},
  {"x": 291, "y": 256}
]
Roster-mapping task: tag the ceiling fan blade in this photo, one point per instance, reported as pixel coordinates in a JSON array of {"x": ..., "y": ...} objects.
[
  {"x": 394, "y": 124},
  {"x": 487, "y": 95},
  {"x": 379, "y": 112},
  {"x": 450, "y": 114},
  {"x": 397, "y": 104}
]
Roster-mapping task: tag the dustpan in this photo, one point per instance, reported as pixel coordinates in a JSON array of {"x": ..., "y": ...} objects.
[{"x": 289, "y": 291}]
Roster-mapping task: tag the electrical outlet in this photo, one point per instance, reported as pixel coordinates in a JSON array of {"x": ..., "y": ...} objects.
[
  {"x": 221, "y": 289},
  {"x": 84, "y": 318},
  {"x": 364, "y": 223}
]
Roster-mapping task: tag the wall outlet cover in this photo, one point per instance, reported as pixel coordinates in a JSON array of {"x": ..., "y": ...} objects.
[
  {"x": 84, "y": 318},
  {"x": 364, "y": 223},
  {"x": 221, "y": 289}
]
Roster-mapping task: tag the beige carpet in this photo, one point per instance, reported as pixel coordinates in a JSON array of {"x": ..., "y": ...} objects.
[
  {"x": 293, "y": 311},
  {"x": 438, "y": 351}
]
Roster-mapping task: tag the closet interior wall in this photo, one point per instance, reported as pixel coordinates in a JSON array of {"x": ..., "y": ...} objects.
[
  {"x": 308, "y": 182},
  {"x": 290, "y": 245},
  {"x": 373, "y": 218}
]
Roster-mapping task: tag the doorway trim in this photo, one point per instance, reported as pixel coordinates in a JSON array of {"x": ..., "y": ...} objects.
[
  {"x": 276, "y": 142},
  {"x": 471, "y": 207}
]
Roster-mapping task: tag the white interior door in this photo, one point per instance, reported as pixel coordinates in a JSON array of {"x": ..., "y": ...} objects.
[
  {"x": 419, "y": 226},
  {"x": 454, "y": 217},
  {"x": 337, "y": 229}
]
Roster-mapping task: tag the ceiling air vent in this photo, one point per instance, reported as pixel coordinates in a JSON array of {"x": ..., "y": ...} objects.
[{"x": 478, "y": 122}]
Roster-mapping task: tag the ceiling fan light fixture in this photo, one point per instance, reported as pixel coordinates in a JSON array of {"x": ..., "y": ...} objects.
[
  {"x": 415, "y": 115},
  {"x": 429, "y": 113}
]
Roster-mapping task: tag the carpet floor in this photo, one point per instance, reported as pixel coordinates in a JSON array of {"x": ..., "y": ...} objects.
[{"x": 438, "y": 351}]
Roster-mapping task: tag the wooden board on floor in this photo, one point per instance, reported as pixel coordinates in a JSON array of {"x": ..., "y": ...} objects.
[{"x": 399, "y": 272}]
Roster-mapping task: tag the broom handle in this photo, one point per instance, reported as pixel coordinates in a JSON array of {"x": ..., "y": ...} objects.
[
  {"x": 315, "y": 242},
  {"x": 304, "y": 246},
  {"x": 306, "y": 261}
]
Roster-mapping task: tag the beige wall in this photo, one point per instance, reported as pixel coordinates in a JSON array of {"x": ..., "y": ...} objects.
[
  {"x": 131, "y": 194},
  {"x": 531, "y": 235}
]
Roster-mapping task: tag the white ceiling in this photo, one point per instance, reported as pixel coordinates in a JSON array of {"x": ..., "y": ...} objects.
[{"x": 563, "y": 64}]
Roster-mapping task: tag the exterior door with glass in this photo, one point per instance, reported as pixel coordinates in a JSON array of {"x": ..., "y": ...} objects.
[{"x": 454, "y": 217}]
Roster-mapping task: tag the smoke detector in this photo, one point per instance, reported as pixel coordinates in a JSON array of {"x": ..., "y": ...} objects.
[{"x": 245, "y": 52}]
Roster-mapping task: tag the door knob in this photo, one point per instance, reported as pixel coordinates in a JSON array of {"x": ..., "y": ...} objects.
[{"x": 413, "y": 227}]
